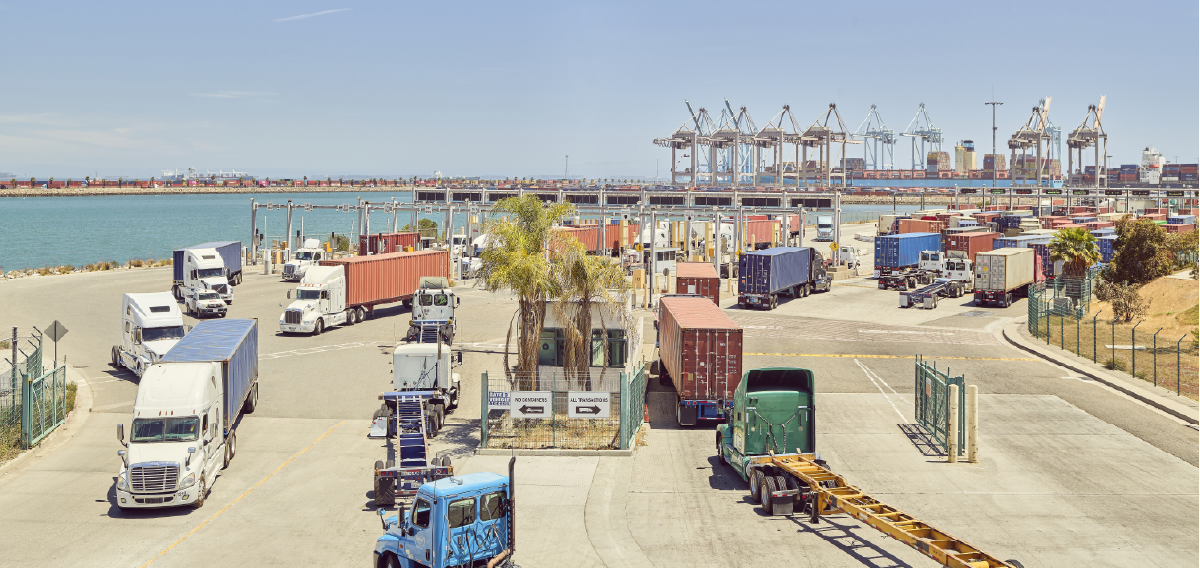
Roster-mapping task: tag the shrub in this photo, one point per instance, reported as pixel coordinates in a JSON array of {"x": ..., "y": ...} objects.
[
  {"x": 44, "y": 271},
  {"x": 135, "y": 263},
  {"x": 1115, "y": 364},
  {"x": 66, "y": 269},
  {"x": 1127, "y": 304},
  {"x": 1141, "y": 375}
]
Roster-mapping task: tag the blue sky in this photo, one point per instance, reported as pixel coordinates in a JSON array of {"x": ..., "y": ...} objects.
[{"x": 337, "y": 87}]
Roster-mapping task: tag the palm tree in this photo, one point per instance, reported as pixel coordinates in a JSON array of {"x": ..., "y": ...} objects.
[
  {"x": 519, "y": 262},
  {"x": 1077, "y": 249},
  {"x": 582, "y": 282}
]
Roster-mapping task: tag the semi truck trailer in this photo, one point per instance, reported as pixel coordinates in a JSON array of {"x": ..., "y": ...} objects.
[
  {"x": 764, "y": 275},
  {"x": 1003, "y": 274},
  {"x": 185, "y": 414},
  {"x": 897, "y": 253},
  {"x": 346, "y": 290},
  {"x": 700, "y": 353},
  {"x": 151, "y": 324}
]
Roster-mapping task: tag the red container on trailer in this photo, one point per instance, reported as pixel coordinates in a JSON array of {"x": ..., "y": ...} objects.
[
  {"x": 700, "y": 349},
  {"x": 382, "y": 243},
  {"x": 1099, "y": 225},
  {"x": 698, "y": 278},
  {"x": 758, "y": 231},
  {"x": 386, "y": 278},
  {"x": 971, "y": 243}
]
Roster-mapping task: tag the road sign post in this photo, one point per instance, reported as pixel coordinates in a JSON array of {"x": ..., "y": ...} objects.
[{"x": 56, "y": 331}]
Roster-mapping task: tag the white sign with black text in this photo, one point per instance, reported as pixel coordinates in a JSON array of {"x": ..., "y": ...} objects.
[
  {"x": 588, "y": 405},
  {"x": 529, "y": 404}
]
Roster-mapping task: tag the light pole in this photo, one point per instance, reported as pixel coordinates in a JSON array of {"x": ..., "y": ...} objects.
[{"x": 994, "y": 169}]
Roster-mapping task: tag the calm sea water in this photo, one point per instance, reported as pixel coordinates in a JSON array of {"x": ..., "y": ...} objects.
[{"x": 52, "y": 231}]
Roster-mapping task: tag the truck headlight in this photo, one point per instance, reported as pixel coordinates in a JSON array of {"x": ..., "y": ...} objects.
[
  {"x": 122, "y": 482},
  {"x": 188, "y": 481}
]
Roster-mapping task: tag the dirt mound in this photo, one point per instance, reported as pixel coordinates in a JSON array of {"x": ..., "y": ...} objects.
[{"x": 1173, "y": 306}]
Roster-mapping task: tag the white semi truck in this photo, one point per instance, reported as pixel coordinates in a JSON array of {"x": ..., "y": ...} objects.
[
  {"x": 185, "y": 414},
  {"x": 306, "y": 257},
  {"x": 209, "y": 266},
  {"x": 151, "y": 324},
  {"x": 824, "y": 228},
  {"x": 428, "y": 368},
  {"x": 433, "y": 311}
]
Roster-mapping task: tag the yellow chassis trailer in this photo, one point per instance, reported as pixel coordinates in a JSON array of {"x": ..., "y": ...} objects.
[{"x": 783, "y": 480}]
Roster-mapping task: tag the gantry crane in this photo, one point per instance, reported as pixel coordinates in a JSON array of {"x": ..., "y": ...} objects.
[
  {"x": 924, "y": 132},
  {"x": 1089, "y": 134},
  {"x": 691, "y": 139},
  {"x": 774, "y": 136},
  {"x": 736, "y": 134},
  {"x": 1031, "y": 135},
  {"x": 822, "y": 136},
  {"x": 877, "y": 136}
]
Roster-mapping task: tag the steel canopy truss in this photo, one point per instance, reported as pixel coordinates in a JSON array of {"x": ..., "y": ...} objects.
[
  {"x": 1089, "y": 134},
  {"x": 1031, "y": 135},
  {"x": 926, "y": 133},
  {"x": 877, "y": 136}
]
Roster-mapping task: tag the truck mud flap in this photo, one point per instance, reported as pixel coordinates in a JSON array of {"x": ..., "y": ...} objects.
[
  {"x": 783, "y": 502},
  {"x": 687, "y": 415}
]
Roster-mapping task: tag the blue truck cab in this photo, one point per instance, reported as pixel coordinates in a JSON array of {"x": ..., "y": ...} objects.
[{"x": 466, "y": 520}]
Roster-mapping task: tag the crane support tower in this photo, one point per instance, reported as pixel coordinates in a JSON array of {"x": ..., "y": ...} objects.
[
  {"x": 1089, "y": 134},
  {"x": 926, "y": 133},
  {"x": 877, "y": 138}
]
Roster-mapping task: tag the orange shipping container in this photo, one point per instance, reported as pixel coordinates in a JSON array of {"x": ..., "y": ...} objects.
[
  {"x": 1179, "y": 228},
  {"x": 700, "y": 349},
  {"x": 758, "y": 231},
  {"x": 387, "y": 278},
  {"x": 612, "y": 235},
  {"x": 920, "y": 226},
  {"x": 585, "y": 234},
  {"x": 382, "y": 243},
  {"x": 971, "y": 243},
  {"x": 698, "y": 278}
]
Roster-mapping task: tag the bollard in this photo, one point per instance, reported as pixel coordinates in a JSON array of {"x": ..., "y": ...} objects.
[
  {"x": 952, "y": 423},
  {"x": 973, "y": 423}
]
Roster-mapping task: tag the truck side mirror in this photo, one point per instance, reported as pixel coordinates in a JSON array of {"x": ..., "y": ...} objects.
[
  {"x": 458, "y": 357},
  {"x": 381, "y": 521},
  {"x": 289, "y": 294},
  {"x": 121, "y": 435},
  {"x": 191, "y": 450},
  {"x": 457, "y": 301}
]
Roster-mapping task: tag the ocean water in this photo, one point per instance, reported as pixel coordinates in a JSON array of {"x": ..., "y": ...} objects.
[{"x": 53, "y": 231}]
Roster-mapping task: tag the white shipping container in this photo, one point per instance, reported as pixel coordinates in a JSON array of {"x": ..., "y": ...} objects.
[{"x": 1004, "y": 270}]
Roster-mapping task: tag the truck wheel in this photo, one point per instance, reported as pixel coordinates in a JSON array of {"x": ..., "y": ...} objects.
[
  {"x": 721, "y": 450},
  {"x": 807, "y": 290},
  {"x": 116, "y": 358},
  {"x": 1014, "y": 564},
  {"x": 251, "y": 400},
  {"x": 768, "y": 487},
  {"x": 390, "y": 561},
  {"x": 230, "y": 449},
  {"x": 319, "y": 327},
  {"x": 199, "y": 502},
  {"x": 755, "y": 479},
  {"x": 349, "y": 317},
  {"x": 362, "y": 314}
]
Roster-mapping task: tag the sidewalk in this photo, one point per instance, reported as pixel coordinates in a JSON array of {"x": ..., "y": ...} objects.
[
  {"x": 73, "y": 423},
  {"x": 1183, "y": 408}
]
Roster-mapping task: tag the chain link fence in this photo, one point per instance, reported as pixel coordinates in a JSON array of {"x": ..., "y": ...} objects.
[
  {"x": 557, "y": 428},
  {"x": 931, "y": 404},
  {"x": 22, "y": 361},
  {"x": 1056, "y": 317}
]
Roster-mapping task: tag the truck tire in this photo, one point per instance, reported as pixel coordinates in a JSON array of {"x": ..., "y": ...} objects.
[
  {"x": 319, "y": 327},
  {"x": 1014, "y": 564},
  {"x": 389, "y": 561},
  {"x": 720, "y": 450},
  {"x": 349, "y": 317},
  {"x": 116, "y": 357},
  {"x": 664, "y": 378},
  {"x": 808, "y": 290},
  {"x": 230, "y": 443},
  {"x": 755, "y": 479},
  {"x": 768, "y": 487},
  {"x": 199, "y": 502},
  {"x": 362, "y": 314},
  {"x": 251, "y": 400}
]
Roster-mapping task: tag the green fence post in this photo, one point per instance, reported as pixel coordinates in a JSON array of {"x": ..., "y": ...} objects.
[
  {"x": 26, "y": 413},
  {"x": 1077, "y": 350},
  {"x": 1112, "y": 336},
  {"x": 1155, "y": 347},
  {"x": 624, "y": 428},
  {"x": 1178, "y": 362},
  {"x": 1094, "y": 336},
  {"x": 483, "y": 409},
  {"x": 1133, "y": 350}
]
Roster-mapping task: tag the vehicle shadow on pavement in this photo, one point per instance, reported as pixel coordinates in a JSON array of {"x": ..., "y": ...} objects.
[
  {"x": 840, "y": 535},
  {"x": 116, "y": 512},
  {"x": 121, "y": 374},
  {"x": 723, "y": 477}
]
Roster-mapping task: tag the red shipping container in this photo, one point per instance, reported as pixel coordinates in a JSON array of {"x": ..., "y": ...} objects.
[
  {"x": 971, "y": 243},
  {"x": 996, "y": 208},
  {"x": 1048, "y": 222},
  {"x": 756, "y": 217},
  {"x": 387, "y": 278},
  {"x": 382, "y": 243},
  {"x": 585, "y": 234},
  {"x": 700, "y": 348},
  {"x": 1179, "y": 228},
  {"x": 986, "y": 217},
  {"x": 758, "y": 231},
  {"x": 1100, "y": 225},
  {"x": 612, "y": 235},
  {"x": 698, "y": 278},
  {"x": 919, "y": 226},
  {"x": 1155, "y": 217}
]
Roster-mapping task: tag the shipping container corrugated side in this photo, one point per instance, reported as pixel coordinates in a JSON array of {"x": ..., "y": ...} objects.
[
  {"x": 700, "y": 347},
  {"x": 900, "y": 251},
  {"x": 586, "y": 234},
  {"x": 384, "y": 278},
  {"x": 234, "y": 344},
  {"x": 1004, "y": 270},
  {"x": 971, "y": 243},
  {"x": 698, "y": 278},
  {"x": 230, "y": 251},
  {"x": 774, "y": 270},
  {"x": 383, "y": 243}
]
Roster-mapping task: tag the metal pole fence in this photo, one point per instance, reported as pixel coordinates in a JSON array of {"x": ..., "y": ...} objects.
[
  {"x": 1155, "y": 352},
  {"x": 1133, "y": 349}
]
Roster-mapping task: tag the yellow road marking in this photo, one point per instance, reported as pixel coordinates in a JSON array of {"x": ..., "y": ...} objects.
[
  {"x": 846, "y": 356},
  {"x": 243, "y": 495}
]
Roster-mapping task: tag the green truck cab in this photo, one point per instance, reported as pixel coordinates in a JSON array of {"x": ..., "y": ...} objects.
[{"x": 773, "y": 413}]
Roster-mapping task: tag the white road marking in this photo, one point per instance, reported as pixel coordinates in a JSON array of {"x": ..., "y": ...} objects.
[
  {"x": 873, "y": 378},
  {"x": 320, "y": 349}
]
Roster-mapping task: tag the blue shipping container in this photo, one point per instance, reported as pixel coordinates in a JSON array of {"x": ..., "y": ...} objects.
[
  {"x": 1084, "y": 220},
  {"x": 1106, "y": 244},
  {"x": 1104, "y": 231},
  {"x": 234, "y": 344},
  {"x": 1181, "y": 220},
  {"x": 903, "y": 251},
  {"x": 774, "y": 270},
  {"x": 1020, "y": 241},
  {"x": 230, "y": 251}
]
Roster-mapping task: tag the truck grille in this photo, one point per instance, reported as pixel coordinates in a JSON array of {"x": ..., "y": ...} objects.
[
  {"x": 291, "y": 317},
  {"x": 154, "y": 476},
  {"x": 288, "y": 270},
  {"x": 220, "y": 288}
]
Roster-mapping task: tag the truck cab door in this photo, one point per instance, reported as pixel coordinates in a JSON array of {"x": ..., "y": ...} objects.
[
  {"x": 421, "y": 523},
  {"x": 461, "y": 522}
]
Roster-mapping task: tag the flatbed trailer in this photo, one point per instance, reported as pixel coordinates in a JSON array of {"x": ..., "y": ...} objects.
[
  {"x": 787, "y": 483},
  {"x": 404, "y": 421},
  {"x": 927, "y": 296},
  {"x": 907, "y": 279}
]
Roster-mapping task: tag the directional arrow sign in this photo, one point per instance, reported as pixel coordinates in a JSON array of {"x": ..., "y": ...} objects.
[
  {"x": 530, "y": 404},
  {"x": 589, "y": 405}
]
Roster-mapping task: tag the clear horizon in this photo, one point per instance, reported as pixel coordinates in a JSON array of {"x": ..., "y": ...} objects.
[{"x": 383, "y": 90}]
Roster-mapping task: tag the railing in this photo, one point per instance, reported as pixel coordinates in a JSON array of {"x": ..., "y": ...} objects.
[
  {"x": 43, "y": 406},
  {"x": 558, "y": 426},
  {"x": 931, "y": 404},
  {"x": 25, "y": 361}
]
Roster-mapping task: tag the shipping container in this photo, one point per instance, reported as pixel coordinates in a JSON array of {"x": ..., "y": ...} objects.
[
  {"x": 234, "y": 344},
  {"x": 700, "y": 352},
  {"x": 613, "y": 234},
  {"x": 698, "y": 278},
  {"x": 1179, "y": 228},
  {"x": 970, "y": 243},
  {"x": 391, "y": 277},
  {"x": 586, "y": 234},
  {"x": 897, "y": 252},
  {"x": 1106, "y": 244},
  {"x": 759, "y": 231},
  {"x": 1181, "y": 220},
  {"x": 906, "y": 226},
  {"x": 1002, "y": 274},
  {"x": 763, "y": 275},
  {"x": 383, "y": 243}
]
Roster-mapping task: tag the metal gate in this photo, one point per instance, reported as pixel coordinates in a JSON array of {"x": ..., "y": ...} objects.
[
  {"x": 931, "y": 404},
  {"x": 44, "y": 406}
]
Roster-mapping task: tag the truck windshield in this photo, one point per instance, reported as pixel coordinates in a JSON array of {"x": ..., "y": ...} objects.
[
  {"x": 158, "y": 333},
  {"x": 308, "y": 294},
  {"x": 207, "y": 296},
  {"x": 165, "y": 429},
  {"x": 304, "y": 255},
  {"x": 210, "y": 272},
  {"x": 440, "y": 300}
]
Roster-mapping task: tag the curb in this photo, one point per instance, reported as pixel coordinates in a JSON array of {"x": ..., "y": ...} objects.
[
  {"x": 561, "y": 453},
  {"x": 1106, "y": 382}
]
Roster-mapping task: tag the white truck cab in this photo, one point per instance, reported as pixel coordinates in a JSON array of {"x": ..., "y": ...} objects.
[
  {"x": 848, "y": 255},
  {"x": 433, "y": 307},
  {"x": 824, "y": 228},
  {"x": 151, "y": 324},
  {"x": 417, "y": 367},
  {"x": 174, "y": 450},
  {"x": 200, "y": 303},
  {"x": 961, "y": 270},
  {"x": 305, "y": 257},
  {"x": 320, "y": 302},
  {"x": 203, "y": 269},
  {"x": 933, "y": 260}
]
